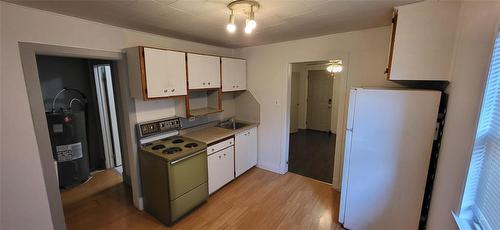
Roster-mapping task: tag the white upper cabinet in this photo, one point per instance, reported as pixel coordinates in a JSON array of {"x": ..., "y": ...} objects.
[
  {"x": 234, "y": 74},
  {"x": 156, "y": 73},
  {"x": 423, "y": 39},
  {"x": 203, "y": 71},
  {"x": 165, "y": 73},
  {"x": 245, "y": 151}
]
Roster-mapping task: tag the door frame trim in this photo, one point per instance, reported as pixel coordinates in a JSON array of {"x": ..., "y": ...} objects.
[{"x": 341, "y": 117}]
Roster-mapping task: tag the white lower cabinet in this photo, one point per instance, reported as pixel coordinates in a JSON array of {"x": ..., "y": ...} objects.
[
  {"x": 246, "y": 151},
  {"x": 220, "y": 168}
]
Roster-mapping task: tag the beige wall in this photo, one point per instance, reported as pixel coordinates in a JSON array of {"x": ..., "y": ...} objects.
[
  {"x": 478, "y": 23},
  {"x": 365, "y": 55},
  {"x": 24, "y": 203}
]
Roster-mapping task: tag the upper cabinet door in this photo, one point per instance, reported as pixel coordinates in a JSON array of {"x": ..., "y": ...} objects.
[
  {"x": 165, "y": 73},
  {"x": 234, "y": 74},
  {"x": 203, "y": 71},
  {"x": 422, "y": 44}
]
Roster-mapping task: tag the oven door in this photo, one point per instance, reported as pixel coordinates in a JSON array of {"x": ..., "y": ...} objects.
[{"x": 187, "y": 173}]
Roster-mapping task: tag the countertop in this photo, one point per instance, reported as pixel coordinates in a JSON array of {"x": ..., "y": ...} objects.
[{"x": 212, "y": 134}]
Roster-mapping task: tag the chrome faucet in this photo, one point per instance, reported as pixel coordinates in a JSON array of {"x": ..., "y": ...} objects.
[{"x": 231, "y": 121}]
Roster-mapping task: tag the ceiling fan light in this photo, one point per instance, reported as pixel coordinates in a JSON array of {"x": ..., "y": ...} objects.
[{"x": 334, "y": 68}]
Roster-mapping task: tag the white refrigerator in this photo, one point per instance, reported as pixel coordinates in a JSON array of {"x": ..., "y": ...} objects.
[{"x": 388, "y": 144}]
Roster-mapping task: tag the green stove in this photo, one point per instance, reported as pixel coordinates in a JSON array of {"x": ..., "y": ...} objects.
[{"x": 174, "y": 173}]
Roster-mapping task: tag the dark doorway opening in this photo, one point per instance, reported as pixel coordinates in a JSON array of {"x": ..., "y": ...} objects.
[{"x": 79, "y": 100}]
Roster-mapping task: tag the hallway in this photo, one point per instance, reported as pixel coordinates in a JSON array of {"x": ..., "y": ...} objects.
[{"x": 311, "y": 154}]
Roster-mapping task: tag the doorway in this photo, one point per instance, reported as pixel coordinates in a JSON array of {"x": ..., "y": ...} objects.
[
  {"x": 79, "y": 100},
  {"x": 313, "y": 120}
]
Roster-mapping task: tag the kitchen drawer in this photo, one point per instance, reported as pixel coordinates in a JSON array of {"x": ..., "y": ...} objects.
[
  {"x": 187, "y": 173},
  {"x": 220, "y": 146},
  {"x": 188, "y": 201}
]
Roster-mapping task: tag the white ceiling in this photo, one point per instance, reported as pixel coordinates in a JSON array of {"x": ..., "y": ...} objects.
[{"x": 204, "y": 20}]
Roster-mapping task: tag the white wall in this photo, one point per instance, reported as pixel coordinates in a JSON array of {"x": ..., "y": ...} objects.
[
  {"x": 268, "y": 68},
  {"x": 477, "y": 30},
  {"x": 24, "y": 203}
]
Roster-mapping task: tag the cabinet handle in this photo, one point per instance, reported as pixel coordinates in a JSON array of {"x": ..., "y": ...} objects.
[
  {"x": 213, "y": 149},
  {"x": 187, "y": 157}
]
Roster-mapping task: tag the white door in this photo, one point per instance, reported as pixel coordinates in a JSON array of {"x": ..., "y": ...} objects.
[
  {"x": 220, "y": 169},
  {"x": 388, "y": 146},
  {"x": 319, "y": 100},
  {"x": 294, "y": 102},
  {"x": 233, "y": 74},
  {"x": 165, "y": 73},
  {"x": 246, "y": 151},
  {"x": 203, "y": 71},
  {"x": 107, "y": 115}
]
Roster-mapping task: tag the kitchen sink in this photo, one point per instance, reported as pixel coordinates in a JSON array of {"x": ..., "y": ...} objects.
[{"x": 232, "y": 125}]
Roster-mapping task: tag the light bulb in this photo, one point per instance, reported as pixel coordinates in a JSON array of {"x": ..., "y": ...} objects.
[
  {"x": 334, "y": 68},
  {"x": 329, "y": 68},
  {"x": 252, "y": 23},
  {"x": 231, "y": 28},
  {"x": 248, "y": 29},
  {"x": 251, "y": 19}
]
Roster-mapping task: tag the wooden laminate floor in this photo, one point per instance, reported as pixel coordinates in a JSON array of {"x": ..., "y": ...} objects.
[
  {"x": 258, "y": 199},
  {"x": 98, "y": 182},
  {"x": 311, "y": 154}
]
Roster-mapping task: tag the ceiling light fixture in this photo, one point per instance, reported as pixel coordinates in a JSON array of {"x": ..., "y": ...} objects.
[
  {"x": 251, "y": 19},
  {"x": 246, "y": 8},
  {"x": 231, "y": 27},
  {"x": 334, "y": 66}
]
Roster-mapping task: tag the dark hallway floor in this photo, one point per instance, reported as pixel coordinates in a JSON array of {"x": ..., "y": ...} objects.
[{"x": 311, "y": 154}]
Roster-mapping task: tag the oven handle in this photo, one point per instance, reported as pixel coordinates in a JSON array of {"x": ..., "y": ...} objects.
[{"x": 187, "y": 157}]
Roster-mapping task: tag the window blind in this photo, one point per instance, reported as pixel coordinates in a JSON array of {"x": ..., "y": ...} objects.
[{"x": 481, "y": 202}]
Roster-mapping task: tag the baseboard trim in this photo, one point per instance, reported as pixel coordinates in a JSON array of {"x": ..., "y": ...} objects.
[{"x": 271, "y": 168}]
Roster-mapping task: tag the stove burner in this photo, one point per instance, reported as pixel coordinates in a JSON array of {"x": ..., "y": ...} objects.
[
  {"x": 190, "y": 145},
  {"x": 172, "y": 150},
  {"x": 177, "y": 141},
  {"x": 157, "y": 147}
]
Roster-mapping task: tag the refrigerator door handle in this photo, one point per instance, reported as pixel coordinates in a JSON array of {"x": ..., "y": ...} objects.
[{"x": 349, "y": 129}]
